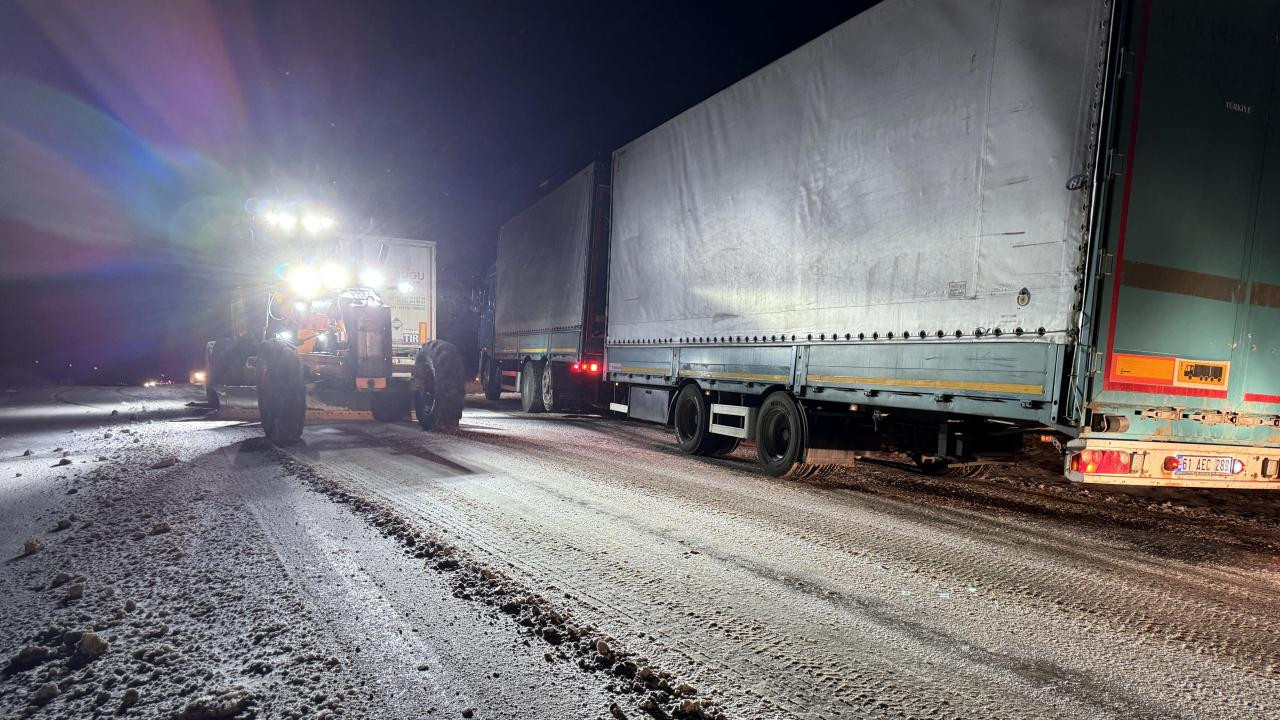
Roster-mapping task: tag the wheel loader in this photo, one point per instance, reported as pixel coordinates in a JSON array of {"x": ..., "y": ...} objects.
[{"x": 344, "y": 334}]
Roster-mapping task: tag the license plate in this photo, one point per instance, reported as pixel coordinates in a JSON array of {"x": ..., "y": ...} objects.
[{"x": 1208, "y": 465}]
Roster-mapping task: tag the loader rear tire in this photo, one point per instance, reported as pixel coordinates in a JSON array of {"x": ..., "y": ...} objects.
[
  {"x": 282, "y": 392},
  {"x": 439, "y": 386}
]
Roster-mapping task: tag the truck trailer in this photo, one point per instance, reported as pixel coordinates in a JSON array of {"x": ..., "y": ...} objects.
[
  {"x": 544, "y": 326},
  {"x": 946, "y": 225}
]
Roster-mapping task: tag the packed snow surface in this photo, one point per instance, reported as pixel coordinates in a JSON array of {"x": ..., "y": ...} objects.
[{"x": 162, "y": 563}]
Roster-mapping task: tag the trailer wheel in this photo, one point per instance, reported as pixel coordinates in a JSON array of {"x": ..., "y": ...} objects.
[
  {"x": 491, "y": 379},
  {"x": 779, "y": 434},
  {"x": 531, "y": 387},
  {"x": 282, "y": 393},
  {"x": 439, "y": 389},
  {"x": 691, "y": 417},
  {"x": 389, "y": 406},
  {"x": 552, "y": 397}
]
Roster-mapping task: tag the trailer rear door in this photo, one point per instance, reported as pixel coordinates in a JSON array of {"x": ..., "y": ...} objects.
[
  {"x": 1189, "y": 314},
  {"x": 1185, "y": 229}
]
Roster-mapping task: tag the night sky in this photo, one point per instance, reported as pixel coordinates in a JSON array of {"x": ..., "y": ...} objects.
[{"x": 131, "y": 134}]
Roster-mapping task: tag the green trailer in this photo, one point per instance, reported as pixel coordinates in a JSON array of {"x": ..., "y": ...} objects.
[{"x": 1180, "y": 377}]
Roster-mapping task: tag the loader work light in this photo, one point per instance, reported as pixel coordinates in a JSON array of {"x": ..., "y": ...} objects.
[
  {"x": 334, "y": 276},
  {"x": 304, "y": 281},
  {"x": 316, "y": 224},
  {"x": 370, "y": 277}
]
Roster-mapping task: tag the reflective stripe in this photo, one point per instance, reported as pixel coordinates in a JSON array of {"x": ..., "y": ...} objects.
[
  {"x": 733, "y": 375},
  {"x": 933, "y": 384}
]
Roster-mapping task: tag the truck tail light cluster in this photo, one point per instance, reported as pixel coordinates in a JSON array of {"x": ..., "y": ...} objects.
[
  {"x": 585, "y": 367},
  {"x": 1107, "y": 462}
]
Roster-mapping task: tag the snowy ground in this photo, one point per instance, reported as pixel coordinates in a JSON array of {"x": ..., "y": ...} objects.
[{"x": 573, "y": 567}]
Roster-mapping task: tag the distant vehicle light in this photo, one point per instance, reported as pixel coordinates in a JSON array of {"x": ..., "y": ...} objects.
[
  {"x": 197, "y": 377},
  {"x": 372, "y": 278},
  {"x": 405, "y": 287},
  {"x": 149, "y": 384}
]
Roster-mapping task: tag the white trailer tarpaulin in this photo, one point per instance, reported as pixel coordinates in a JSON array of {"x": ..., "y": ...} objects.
[
  {"x": 905, "y": 172},
  {"x": 542, "y": 261}
]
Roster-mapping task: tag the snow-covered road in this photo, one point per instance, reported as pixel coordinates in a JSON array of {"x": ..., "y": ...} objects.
[{"x": 552, "y": 566}]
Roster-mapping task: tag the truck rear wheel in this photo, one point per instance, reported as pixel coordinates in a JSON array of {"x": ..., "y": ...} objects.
[
  {"x": 531, "y": 387},
  {"x": 491, "y": 379},
  {"x": 439, "y": 388},
  {"x": 282, "y": 393},
  {"x": 389, "y": 406},
  {"x": 779, "y": 434}
]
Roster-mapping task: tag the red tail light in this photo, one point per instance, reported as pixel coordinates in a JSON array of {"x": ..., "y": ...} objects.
[
  {"x": 1171, "y": 463},
  {"x": 576, "y": 367},
  {"x": 594, "y": 367},
  {"x": 1105, "y": 462}
]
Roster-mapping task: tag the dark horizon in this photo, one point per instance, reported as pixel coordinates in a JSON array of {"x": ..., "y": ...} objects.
[{"x": 128, "y": 158}]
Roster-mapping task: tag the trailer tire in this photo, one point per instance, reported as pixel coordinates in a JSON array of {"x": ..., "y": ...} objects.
[
  {"x": 491, "y": 379},
  {"x": 439, "y": 388},
  {"x": 552, "y": 395},
  {"x": 282, "y": 392},
  {"x": 531, "y": 387},
  {"x": 390, "y": 406},
  {"x": 691, "y": 419},
  {"x": 779, "y": 434}
]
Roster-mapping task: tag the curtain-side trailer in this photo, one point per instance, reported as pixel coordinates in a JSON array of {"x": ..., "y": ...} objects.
[
  {"x": 945, "y": 224},
  {"x": 543, "y": 327},
  {"x": 939, "y": 227}
]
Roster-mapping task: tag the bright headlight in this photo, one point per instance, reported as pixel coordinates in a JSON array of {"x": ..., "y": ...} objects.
[
  {"x": 315, "y": 223},
  {"x": 304, "y": 281},
  {"x": 334, "y": 276},
  {"x": 405, "y": 287},
  {"x": 286, "y": 221},
  {"x": 372, "y": 278}
]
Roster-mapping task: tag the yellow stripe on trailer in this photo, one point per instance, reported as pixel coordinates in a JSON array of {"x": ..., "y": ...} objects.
[
  {"x": 977, "y": 386},
  {"x": 708, "y": 375}
]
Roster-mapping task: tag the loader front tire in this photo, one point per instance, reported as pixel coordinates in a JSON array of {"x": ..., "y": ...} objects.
[
  {"x": 439, "y": 386},
  {"x": 282, "y": 392}
]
